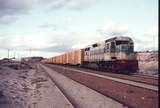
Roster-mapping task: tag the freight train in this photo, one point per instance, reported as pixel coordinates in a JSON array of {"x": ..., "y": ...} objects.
[{"x": 114, "y": 54}]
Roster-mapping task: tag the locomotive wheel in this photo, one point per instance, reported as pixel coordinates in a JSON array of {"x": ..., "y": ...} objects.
[{"x": 127, "y": 70}]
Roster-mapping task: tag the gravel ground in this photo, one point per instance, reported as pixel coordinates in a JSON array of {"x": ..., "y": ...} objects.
[
  {"x": 26, "y": 88},
  {"x": 13, "y": 87}
]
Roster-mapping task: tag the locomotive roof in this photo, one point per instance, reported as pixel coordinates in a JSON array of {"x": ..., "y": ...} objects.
[
  {"x": 124, "y": 38},
  {"x": 119, "y": 38}
]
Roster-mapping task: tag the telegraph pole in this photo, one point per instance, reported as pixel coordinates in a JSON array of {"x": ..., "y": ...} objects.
[
  {"x": 8, "y": 53},
  {"x": 14, "y": 54}
]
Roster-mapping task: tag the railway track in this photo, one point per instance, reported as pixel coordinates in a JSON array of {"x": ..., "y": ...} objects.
[
  {"x": 122, "y": 80},
  {"x": 134, "y": 77},
  {"x": 79, "y": 95},
  {"x": 131, "y": 93},
  {"x": 145, "y": 76},
  {"x": 142, "y": 85}
]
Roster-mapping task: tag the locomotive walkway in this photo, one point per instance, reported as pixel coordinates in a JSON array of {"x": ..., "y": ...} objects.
[{"x": 79, "y": 95}]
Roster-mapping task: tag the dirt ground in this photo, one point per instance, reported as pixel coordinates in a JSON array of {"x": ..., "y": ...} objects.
[
  {"x": 14, "y": 86},
  {"x": 26, "y": 88}
]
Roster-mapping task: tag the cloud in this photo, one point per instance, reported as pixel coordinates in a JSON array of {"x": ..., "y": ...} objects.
[
  {"x": 56, "y": 42},
  {"x": 47, "y": 26},
  {"x": 152, "y": 32},
  {"x": 148, "y": 40},
  {"x": 7, "y": 19},
  {"x": 59, "y": 42},
  {"x": 52, "y": 27},
  {"x": 142, "y": 42},
  {"x": 68, "y": 41},
  {"x": 81, "y": 4},
  {"x": 10, "y": 9},
  {"x": 68, "y": 4},
  {"x": 112, "y": 29}
]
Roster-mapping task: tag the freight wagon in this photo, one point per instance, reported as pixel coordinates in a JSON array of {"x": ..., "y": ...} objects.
[{"x": 70, "y": 58}]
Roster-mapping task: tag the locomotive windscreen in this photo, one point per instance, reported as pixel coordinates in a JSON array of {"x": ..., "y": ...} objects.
[
  {"x": 121, "y": 42},
  {"x": 124, "y": 46}
]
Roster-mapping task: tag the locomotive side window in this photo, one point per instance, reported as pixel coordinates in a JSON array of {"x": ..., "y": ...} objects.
[
  {"x": 106, "y": 47},
  {"x": 131, "y": 48},
  {"x": 113, "y": 47},
  {"x": 86, "y": 53}
]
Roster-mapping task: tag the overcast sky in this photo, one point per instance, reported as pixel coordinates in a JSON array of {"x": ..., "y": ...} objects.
[{"x": 50, "y": 27}]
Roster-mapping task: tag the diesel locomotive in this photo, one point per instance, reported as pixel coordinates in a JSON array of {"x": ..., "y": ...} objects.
[{"x": 114, "y": 54}]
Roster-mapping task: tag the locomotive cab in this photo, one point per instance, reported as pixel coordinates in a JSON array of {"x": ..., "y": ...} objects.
[
  {"x": 124, "y": 49},
  {"x": 124, "y": 46},
  {"x": 120, "y": 52},
  {"x": 119, "y": 48}
]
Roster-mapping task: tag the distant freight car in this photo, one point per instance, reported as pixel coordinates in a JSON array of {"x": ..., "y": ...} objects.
[
  {"x": 114, "y": 54},
  {"x": 75, "y": 57}
]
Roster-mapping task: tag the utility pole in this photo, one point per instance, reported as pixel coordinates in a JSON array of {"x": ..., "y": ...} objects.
[
  {"x": 8, "y": 53},
  {"x": 14, "y": 54}
]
